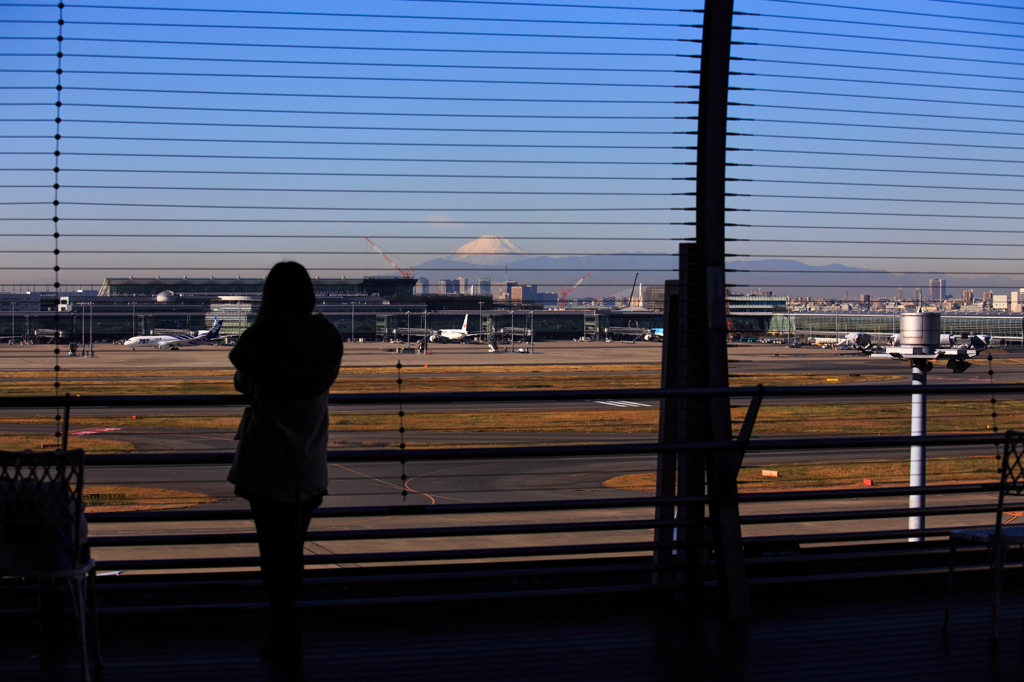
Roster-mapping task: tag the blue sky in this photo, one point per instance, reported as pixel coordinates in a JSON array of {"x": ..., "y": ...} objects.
[{"x": 218, "y": 142}]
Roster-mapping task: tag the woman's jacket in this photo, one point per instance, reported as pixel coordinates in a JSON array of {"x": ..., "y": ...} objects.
[{"x": 286, "y": 365}]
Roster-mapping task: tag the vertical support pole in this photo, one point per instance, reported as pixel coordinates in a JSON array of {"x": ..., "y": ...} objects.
[
  {"x": 683, "y": 420},
  {"x": 710, "y": 241},
  {"x": 67, "y": 418},
  {"x": 918, "y": 454}
]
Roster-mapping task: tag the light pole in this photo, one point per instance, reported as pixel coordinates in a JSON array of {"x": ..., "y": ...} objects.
[
  {"x": 531, "y": 332},
  {"x": 921, "y": 343}
]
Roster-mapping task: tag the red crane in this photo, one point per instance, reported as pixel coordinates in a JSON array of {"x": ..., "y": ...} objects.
[
  {"x": 562, "y": 293},
  {"x": 406, "y": 273}
]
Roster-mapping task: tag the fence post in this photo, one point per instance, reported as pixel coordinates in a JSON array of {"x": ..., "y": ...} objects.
[{"x": 712, "y": 121}]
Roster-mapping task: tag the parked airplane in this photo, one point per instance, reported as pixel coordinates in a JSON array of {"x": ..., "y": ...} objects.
[
  {"x": 175, "y": 341},
  {"x": 655, "y": 333},
  {"x": 445, "y": 335}
]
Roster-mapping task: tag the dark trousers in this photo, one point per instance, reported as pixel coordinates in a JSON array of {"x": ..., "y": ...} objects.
[{"x": 281, "y": 531}]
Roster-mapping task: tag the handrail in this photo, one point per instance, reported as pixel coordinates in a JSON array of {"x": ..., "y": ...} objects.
[
  {"x": 411, "y": 454},
  {"x": 410, "y": 398}
]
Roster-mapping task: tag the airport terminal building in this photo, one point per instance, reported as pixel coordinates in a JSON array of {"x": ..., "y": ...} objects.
[
  {"x": 386, "y": 308},
  {"x": 371, "y": 308}
]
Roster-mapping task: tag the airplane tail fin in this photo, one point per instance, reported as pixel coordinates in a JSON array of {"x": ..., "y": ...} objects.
[
  {"x": 215, "y": 329},
  {"x": 465, "y": 323}
]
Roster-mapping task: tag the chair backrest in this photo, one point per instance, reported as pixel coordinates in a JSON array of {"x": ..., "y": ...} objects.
[
  {"x": 1011, "y": 473},
  {"x": 41, "y": 510}
]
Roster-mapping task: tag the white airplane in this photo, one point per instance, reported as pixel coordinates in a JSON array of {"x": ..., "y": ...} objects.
[
  {"x": 655, "y": 334},
  {"x": 445, "y": 335},
  {"x": 177, "y": 340}
]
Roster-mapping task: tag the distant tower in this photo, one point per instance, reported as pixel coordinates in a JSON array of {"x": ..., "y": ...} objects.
[{"x": 899, "y": 294}]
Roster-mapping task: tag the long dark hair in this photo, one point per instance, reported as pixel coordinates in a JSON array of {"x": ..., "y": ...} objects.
[{"x": 287, "y": 289}]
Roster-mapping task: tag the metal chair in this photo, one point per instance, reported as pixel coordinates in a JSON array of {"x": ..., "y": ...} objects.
[
  {"x": 43, "y": 531},
  {"x": 999, "y": 538}
]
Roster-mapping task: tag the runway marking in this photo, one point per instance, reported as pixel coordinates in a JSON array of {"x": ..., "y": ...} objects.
[
  {"x": 102, "y": 429},
  {"x": 619, "y": 403},
  {"x": 387, "y": 483}
]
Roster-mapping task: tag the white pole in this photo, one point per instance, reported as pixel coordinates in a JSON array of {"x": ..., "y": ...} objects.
[{"x": 917, "y": 452}]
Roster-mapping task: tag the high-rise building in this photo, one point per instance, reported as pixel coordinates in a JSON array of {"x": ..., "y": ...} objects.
[
  {"x": 485, "y": 285},
  {"x": 937, "y": 289},
  {"x": 461, "y": 285}
]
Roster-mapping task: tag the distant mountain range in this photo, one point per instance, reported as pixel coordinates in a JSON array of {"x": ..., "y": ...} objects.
[{"x": 610, "y": 273}]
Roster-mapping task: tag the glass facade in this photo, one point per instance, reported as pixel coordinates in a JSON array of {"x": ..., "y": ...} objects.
[{"x": 1008, "y": 327}]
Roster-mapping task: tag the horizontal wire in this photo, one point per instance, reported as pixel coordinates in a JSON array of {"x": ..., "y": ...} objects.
[
  {"x": 66, "y": 187},
  {"x": 323, "y": 221},
  {"x": 878, "y": 53},
  {"x": 873, "y": 24},
  {"x": 883, "y": 199},
  {"x": 360, "y": 113},
  {"x": 380, "y": 79},
  {"x": 389, "y": 31},
  {"x": 343, "y": 15},
  {"x": 873, "y": 184},
  {"x": 865, "y": 228},
  {"x": 859, "y": 271},
  {"x": 950, "y": 2},
  {"x": 207, "y": 235},
  {"x": 882, "y": 126},
  {"x": 917, "y": 100},
  {"x": 345, "y": 142},
  {"x": 225, "y": 93},
  {"x": 315, "y": 174},
  {"x": 404, "y": 65},
  {"x": 563, "y": 53},
  {"x": 816, "y": 285},
  {"x": 65, "y": 119},
  {"x": 263, "y": 268},
  {"x": 885, "y": 213},
  {"x": 218, "y": 252},
  {"x": 1002, "y": 245},
  {"x": 960, "y": 74},
  {"x": 868, "y": 154},
  {"x": 898, "y": 11},
  {"x": 862, "y": 81},
  {"x": 452, "y": 209},
  {"x": 917, "y": 41},
  {"x": 340, "y": 158},
  {"x": 833, "y": 110},
  {"x": 803, "y": 137},
  {"x": 452, "y": 2},
  {"x": 877, "y": 170},
  {"x": 917, "y": 257}
]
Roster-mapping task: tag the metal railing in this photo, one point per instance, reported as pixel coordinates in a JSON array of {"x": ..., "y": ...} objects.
[{"x": 461, "y": 553}]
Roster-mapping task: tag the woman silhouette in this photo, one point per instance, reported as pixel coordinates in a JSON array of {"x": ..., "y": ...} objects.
[{"x": 286, "y": 362}]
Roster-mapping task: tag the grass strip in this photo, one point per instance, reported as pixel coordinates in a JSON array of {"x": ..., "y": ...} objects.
[
  {"x": 43, "y": 442},
  {"x": 981, "y": 469},
  {"x": 118, "y": 498},
  {"x": 839, "y": 419},
  {"x": 420, "y": 384}
]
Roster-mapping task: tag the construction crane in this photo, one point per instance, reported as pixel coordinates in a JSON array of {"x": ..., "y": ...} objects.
[
  {"x": 405, "y": 273},
  {"x": 629, "y": 301},
  {"x": 562, "y": 293}
]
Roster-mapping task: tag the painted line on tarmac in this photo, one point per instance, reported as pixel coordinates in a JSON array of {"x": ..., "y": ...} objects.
[{"x": 619, "y": 403}]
